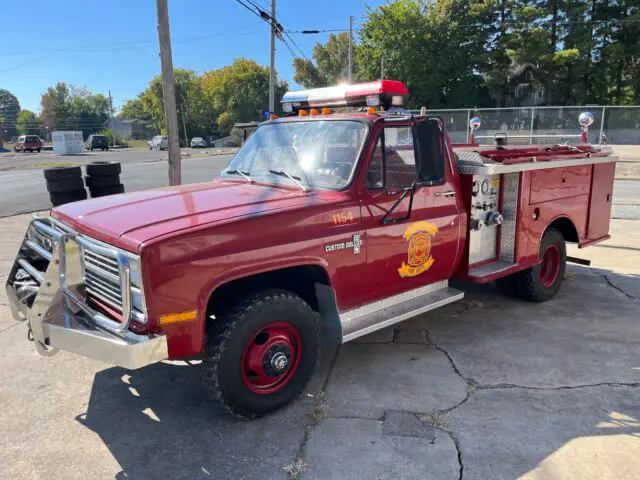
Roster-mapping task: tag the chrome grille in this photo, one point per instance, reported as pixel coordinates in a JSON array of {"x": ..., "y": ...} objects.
[{"x": 101, "y": 278}]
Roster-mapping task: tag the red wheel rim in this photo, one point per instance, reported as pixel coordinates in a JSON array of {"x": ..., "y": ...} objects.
[
  {"x": 550, "y": 267},
  {"x": 272, "y": 357}
]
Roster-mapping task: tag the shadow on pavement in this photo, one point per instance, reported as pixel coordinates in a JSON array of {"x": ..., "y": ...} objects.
[{"x": 158, "y": 423}]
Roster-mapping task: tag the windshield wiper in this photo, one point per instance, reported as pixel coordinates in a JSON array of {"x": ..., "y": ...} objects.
[
  {"x": 240, "y": 172},
  {"x": 293, "y": 178}
]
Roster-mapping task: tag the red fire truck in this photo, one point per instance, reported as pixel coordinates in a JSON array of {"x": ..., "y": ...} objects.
[{"x": 343, "y": 222}]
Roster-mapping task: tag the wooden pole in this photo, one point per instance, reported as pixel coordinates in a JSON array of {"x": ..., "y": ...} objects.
[{"x": 169, "y": 93}]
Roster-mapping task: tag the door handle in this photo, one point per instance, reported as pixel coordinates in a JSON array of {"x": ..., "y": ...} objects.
[{"x": 450, "y": 193}]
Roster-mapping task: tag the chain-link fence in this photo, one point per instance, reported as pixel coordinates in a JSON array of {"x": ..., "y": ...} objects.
[{"x": 526, "y": 125}]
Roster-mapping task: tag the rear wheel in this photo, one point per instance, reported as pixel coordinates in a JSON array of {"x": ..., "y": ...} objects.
[
  {"x": 542, "y": 282},
  {"x": 38, "y": 150},
  {"x": 261, "y": 354}
]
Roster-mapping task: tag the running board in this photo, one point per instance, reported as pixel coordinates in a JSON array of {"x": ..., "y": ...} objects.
[{"x": 383, "y": 313}]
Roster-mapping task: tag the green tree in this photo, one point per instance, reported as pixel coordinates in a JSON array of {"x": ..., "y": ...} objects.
[
  {"x": 27, "y": 123},
  {"x": 240, "y": 91},
  {"x": 67, "y": 107},
  {"x": 9, "y": 109},
  {"x": 437, "y": 50},
  {"x": 331, "y": 63}
]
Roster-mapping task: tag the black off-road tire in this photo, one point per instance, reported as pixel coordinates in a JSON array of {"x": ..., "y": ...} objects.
[
  {"x": 60, "y": 198},
  {"x": 62, "y": 173},
  {"x": 102, "y": 181},
  {"x": 104, "y": 191},
  {"x": 38, "y": 150},
  {"x": 66, "y": 185},
  {"x": 530, "y": 283},
  {"x": 103, "y": 169},
  {"x": 508, "y": 285},
  {"x": 234, "y": 331}
]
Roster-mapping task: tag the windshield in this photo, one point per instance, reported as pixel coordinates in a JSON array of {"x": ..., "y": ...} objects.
[{"x": 319, "y": 153}]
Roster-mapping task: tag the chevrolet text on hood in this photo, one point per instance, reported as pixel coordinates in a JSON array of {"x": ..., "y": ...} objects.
[{"x": 342, "y": 222}]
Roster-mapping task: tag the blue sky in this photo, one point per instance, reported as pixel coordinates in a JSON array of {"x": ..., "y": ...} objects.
[{"x": 114, "y": 45}]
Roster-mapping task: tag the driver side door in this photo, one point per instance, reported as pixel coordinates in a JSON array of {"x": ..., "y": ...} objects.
[{"x": 410, "y": 242}]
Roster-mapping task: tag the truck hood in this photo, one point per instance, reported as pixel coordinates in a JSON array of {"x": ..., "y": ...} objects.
[{"x": 130, "y": 219}]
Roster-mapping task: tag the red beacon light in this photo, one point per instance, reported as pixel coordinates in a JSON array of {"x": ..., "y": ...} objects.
[{"x": 384, "y": 93}]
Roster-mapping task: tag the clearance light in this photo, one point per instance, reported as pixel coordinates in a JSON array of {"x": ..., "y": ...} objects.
[
  {"x": 303, "y": 113},
  {"x": 373, "y": 100},
  {"x": 273, "y": 116},
  {"x": 178, "y": 317},
  {"x": 327, "y": 111},
  {"x": 314, "y": 111},
  {"x": 372, "y": 110}
]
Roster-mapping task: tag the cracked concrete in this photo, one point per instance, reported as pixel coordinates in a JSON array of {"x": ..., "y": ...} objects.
[{"x": 489, "y": 387}]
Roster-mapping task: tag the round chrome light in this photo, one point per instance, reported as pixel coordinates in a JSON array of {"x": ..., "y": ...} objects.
[
  {"x": 586, "y": 119},
  {"x": 474, "y": 123}
]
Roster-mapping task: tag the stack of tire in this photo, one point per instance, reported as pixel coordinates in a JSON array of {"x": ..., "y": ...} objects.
[
  {"x": 65, "y": 185},
  {"x": 103, "y": 178}
]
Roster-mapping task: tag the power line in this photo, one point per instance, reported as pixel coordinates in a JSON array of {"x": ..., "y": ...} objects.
[
  {"x": 50, "y": 54},
  {"x": 133, "y": 45}
]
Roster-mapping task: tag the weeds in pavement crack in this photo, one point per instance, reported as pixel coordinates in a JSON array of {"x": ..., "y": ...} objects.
[
  {"x": 436, "y": 420},
  {"x": 318, "y": 413}
]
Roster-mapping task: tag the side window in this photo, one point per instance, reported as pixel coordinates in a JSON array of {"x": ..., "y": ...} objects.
[
  {"x": 431, "y": 152},
  {"x": 393, "y": 163}
]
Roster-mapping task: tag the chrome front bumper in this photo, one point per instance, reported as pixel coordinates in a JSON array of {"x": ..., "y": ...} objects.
[{"x": 59, "y": 318}]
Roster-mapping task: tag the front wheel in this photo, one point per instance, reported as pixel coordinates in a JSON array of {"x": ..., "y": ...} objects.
[
  {"x": 261, "y": 353},
  {"x": 542, "y": 282}
]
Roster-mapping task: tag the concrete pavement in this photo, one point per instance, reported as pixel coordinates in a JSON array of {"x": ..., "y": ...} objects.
[{"x": 490, "y": 387}]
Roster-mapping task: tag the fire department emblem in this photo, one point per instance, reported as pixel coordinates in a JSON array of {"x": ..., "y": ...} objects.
[{"x": 419, "y": 257}]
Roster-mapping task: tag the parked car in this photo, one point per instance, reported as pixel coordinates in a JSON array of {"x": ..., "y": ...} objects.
[
  {"x": 159, "y": 142},
  {"x": 28, "y": 143},
  {"x": 97, "y": 141},
  {"x": 198, "y": 142}
]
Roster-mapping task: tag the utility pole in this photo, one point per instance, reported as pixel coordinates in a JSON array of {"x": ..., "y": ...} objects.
[
  {"x": 184, "y": 126},
  {"x": 169, "y": 93},
  {"x": 272, "y": 71},
  {"x": 113, "y": 122},
  {"x": 350, "y": 48}
]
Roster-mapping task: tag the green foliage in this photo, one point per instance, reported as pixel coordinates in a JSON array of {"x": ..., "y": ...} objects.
[
  {"x": 27, "y": 123},
  {"x": 458, "y": 53},
  {"x": 211, "y": 102},
  {"x": 9, "y": 109},
  {"x": 332, "y": 63},
  {"x": 66, "y": 107}
]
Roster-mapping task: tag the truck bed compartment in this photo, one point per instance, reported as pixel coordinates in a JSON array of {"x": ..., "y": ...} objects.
[
  {"x": 601, "y": 200},
  {"x": 561, "y": 182}
]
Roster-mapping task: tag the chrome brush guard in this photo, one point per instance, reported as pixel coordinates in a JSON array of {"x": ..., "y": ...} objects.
[{"x": 46, "y": 288}]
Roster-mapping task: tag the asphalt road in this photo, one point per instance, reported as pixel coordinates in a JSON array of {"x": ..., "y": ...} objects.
[{"x": 24, "y": 191}]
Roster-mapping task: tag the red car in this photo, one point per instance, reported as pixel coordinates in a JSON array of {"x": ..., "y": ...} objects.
[
  {"x": 28, "y": 143},
  {"x": 341, "y": 222}
]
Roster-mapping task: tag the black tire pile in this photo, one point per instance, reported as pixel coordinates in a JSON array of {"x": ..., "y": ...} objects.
[
  {"x": 65, "y": 184},
  {"x": 103, "y": 178}
]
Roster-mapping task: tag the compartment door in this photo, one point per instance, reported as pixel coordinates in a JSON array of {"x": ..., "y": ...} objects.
[{"x": 600, "y": 200}]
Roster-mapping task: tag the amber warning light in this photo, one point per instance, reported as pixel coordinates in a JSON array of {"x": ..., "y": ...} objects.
[{"x": 384, "y": 93}]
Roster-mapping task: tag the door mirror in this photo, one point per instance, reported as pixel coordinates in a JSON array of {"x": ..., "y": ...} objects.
[{"x": 429, "y": 145}]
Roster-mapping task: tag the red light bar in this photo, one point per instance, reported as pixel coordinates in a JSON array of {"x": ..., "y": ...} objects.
[{"x": 389, "y": 92}]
